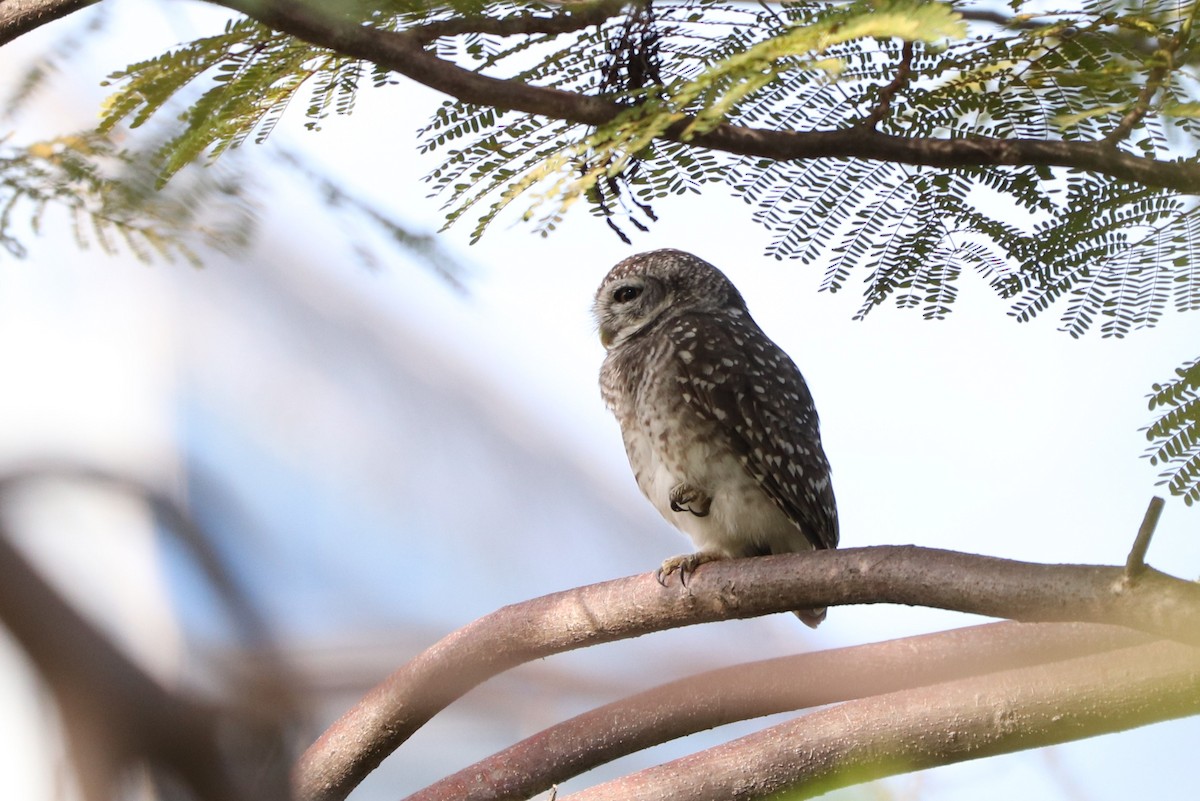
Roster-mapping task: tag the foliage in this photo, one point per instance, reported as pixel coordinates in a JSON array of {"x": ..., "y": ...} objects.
[
  {"x": 1114, "y": 252},
  {"x": 118, "y": 197},
  {"x": 1108, "y": 71},
  {"x": 1176, "y": 433},
  {"x": 109, "y": 206},
  {"x": 257, "y": 74}
]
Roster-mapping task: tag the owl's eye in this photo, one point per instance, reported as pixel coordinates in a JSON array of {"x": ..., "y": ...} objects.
[{"x": 624, "y": 294}]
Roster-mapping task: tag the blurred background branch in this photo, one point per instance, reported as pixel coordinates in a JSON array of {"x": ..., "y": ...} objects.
[{"x": 119, "y": 719}]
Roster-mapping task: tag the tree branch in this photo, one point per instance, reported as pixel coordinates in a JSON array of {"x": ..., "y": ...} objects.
[
  {"x": 981, "y": 716},
  {"x": 404, "y": 53},
  {"x": 1163, "y": 65},
  {"x": 888, "y": 93},
  {"x": 740, "y": 588},
  {"x": 1155, "y": 80},
  {"x": 18, "y": 17},
  {"x": 115, "y": 713},
  {"x": 768, "y": 687}
]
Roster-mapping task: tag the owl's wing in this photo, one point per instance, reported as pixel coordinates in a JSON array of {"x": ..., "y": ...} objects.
[{"x": 743, "y": 381}]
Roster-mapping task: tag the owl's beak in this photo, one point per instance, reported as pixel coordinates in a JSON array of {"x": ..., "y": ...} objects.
[{"x": 606, "y": 338}]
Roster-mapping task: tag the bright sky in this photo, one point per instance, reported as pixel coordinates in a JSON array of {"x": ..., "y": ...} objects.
[{"x": 974, "y": 433}]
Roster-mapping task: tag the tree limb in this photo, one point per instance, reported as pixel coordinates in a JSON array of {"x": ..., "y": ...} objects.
[
  {"x": 114, "y": 712},
  {"x": 404, "y": 53},
  {"x": 390, "y": 713},
  {"x": 910, "y": 730},
  {"x": 18, "y": 17},
  {"x": 755, "y": 689}
]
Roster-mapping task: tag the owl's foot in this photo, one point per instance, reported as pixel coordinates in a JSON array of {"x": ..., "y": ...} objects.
[
  {"x": 686, "y": 498},
  {"x": 685, "y": 563}
]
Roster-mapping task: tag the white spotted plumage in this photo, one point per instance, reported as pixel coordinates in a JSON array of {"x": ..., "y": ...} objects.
[{"x": 718, "y": 423}]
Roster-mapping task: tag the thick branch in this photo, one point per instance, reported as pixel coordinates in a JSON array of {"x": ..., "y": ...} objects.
[
  {"x": 114, "y": 711},
  {"x": 18, "y": 17},
  {"x": 977, "y": 717},
  {"x": 763, "y": 688},
  {"x": 404, "y": 53},
  {"x": 630, "y": 607}
]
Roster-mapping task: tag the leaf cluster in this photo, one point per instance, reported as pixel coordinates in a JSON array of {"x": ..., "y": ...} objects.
[
  {"x": 256, "y": 74},
  {"x": 1114, "y": 72},
  {"x": 1115, "y": 254},
  {"x": 1175, "y": 435},
  {"x": 109, "y": 203},
  {"x": 123, "y": 199}
]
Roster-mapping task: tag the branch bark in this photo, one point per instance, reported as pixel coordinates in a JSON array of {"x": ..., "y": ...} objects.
[
  {"x": 18, "y": 17},
  {"x": 114, "y": 712},
  {"x": 740, "y": 588},
  {"x": 763, "y": 688},
  {"x": 404, "y": 53},
  {"x": 946, "y": 723}
]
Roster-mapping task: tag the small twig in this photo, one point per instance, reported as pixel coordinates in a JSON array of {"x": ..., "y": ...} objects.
[
  {"x": 577, "y": 16},
  {"x": 1135, "y": 565},
  {"x": 888, "y": 93},
  {"x": 1157, "y": 78},
  {"x": 1155, "y": 81}
]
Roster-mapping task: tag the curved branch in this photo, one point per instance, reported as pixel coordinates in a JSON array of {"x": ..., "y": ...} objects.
[
  {"x": 113, "y": 711},
  {"x": 404, "y": 52},
  {"x": 391, "y": 712},
  {"x": 981, "y": 716},
  {"x": 19, "y": 17},
  {"x": 755, "y": 689}
]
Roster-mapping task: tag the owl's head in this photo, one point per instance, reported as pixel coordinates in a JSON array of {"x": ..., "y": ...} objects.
[{"x": 644, "y": 289}]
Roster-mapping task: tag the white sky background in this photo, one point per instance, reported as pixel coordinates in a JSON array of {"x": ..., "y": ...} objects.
[{"x": 974, "y": 433}]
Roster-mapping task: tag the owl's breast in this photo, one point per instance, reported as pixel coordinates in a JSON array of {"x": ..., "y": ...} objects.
[{"x": 669, "y": 444}]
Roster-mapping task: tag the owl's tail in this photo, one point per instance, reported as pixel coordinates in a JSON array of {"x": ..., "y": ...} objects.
[{"x": 811, "y": 617}]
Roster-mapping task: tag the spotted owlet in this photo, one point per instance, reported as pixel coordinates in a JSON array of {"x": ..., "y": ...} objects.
[{"x": 718, "y": 423}]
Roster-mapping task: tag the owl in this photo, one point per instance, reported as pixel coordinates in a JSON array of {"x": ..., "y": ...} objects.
[{"x": 718, "y": 424}]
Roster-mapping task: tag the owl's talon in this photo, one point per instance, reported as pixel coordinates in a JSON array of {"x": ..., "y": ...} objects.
[
  {"x": 685, "y": 564},
  {"x": 686, "y": 498}
]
